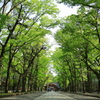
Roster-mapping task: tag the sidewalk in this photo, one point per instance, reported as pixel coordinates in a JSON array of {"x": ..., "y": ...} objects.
[
  {"x": 91, "y": 94},
  {"x": 85, "y": 94},
  {"x": 67, "y": 96},
  {"x": 29, "y": 96},
  {"x": 51, "y": 96}
]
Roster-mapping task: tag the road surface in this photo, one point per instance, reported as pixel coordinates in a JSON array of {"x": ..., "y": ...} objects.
[{"x": 50, "y": 96}]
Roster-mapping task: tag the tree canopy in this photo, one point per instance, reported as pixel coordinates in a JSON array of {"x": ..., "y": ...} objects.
[{"x": 26, "y": 63}]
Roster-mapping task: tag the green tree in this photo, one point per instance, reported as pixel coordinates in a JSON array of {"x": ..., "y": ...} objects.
[
  {"x": 23, "y": 25},
  {"x": 86, "y": 3},
  {"x": 77, "y": 37}
]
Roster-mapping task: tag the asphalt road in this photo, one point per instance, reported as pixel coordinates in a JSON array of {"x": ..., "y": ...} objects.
[{"x": 50, "y": 96}]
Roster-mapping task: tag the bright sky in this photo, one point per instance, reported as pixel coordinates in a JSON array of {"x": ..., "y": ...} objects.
[{"x": 64, "y": 11}]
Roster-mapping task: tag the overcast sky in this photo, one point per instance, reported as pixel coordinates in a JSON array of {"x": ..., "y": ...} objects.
[{"x": 64, "y": 11}]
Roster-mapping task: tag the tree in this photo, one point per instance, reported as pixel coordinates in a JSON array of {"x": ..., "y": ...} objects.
[
  {"x": 23, "y": 25},
  {"x": 86, "y": 3},
  {"x": 77, "y": 37}
]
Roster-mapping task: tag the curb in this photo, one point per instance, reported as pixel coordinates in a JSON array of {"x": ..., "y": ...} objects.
[
  {"x": 92, "y": 95},
  {"x": 15, "y": 94}
]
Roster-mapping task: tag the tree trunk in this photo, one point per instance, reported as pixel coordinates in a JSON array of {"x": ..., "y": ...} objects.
[
  {"x": 13, "y": 83},
  {"x": 83, "y": 85},
  {"x": 29, "y": 83},
  {"x": 7, "y": 78},
  {"x": 88, "y": 84},
  {"x": 75, "y": 78},
  {"x": 23, "y": 83},
  {"x": 17, "y": 89},
  {"x": 99, "y": 84},
  {"x": 8, "y": 73},
  {"x": 88, "y": 81},
  {"x": 31, "y": 87}
]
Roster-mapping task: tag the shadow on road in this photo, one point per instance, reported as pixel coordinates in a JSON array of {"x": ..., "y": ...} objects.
[{"x": 76, "y": 96}]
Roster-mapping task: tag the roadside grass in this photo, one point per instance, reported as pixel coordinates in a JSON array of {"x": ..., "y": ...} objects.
[
  {"x": 12, "y": 94},
  {"x": 6, "y": 93}
]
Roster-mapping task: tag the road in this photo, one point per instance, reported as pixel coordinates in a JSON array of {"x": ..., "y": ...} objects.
[{"x": 50, "y": 96}]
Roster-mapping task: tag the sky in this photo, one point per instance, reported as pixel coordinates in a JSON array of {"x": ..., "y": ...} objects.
[{"x": 64, "y": 11}]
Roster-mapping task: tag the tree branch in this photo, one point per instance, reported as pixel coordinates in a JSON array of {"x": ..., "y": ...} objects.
[
  {"x": 90, "y": 42},
  {"x": 3, "y": 6},
  {"x": 15, "y": 7}
]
